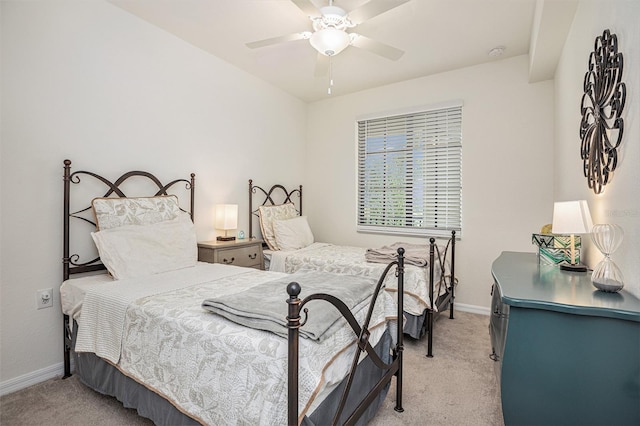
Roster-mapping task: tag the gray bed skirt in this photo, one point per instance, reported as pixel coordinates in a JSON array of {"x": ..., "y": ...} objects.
[
  {"x": 414, "y": 325},
  {"x": 104, "y": 378}
]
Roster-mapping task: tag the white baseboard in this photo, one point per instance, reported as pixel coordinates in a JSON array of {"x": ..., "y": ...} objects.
[
  {"x": 30, "y": 379},
  {"x": 474, "y": 309}
]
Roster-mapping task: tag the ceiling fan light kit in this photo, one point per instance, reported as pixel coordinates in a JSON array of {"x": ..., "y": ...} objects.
[{"x": 330, "y": 41}]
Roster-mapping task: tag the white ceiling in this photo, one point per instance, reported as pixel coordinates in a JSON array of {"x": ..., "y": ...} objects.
[{"x": 436, "y": 36}]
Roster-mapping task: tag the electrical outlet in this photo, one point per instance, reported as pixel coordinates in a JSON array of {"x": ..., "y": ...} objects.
[{"x": 44, "y": 298}]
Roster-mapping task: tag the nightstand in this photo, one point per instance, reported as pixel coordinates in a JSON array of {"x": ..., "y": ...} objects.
[{"x": 247, "y": 252}]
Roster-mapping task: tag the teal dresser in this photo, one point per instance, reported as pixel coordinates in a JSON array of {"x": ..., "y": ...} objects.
[{"x": 566, "y": 353}]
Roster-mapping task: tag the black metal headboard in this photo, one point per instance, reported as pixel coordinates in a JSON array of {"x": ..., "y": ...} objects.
[
  {"x": 72, "y": 263},
  {"x": 277, "y": 194}
]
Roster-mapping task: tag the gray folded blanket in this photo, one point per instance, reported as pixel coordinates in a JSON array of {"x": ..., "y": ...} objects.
[
  {"x": 414, "y": 254},
  {"x": 264, "y": 306}
]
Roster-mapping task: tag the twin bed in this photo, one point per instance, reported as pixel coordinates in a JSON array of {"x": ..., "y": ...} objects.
[
  {"x": 186, "y": 342},
  {"x": 429, "y": 286}
]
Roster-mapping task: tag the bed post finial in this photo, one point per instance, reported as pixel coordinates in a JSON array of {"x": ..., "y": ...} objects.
[{"x": 293, "y": 289}]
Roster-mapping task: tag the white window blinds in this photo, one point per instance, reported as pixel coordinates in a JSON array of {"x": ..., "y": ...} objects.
[{"x": 410, "y": 172}]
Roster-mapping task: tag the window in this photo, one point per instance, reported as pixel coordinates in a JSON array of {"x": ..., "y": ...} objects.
[{"x": 409, "y": 172}]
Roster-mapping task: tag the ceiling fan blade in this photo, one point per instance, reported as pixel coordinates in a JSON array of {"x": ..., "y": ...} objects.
[
  {"x": 373, "y": 8},
  {"x": 322, "y": 65},
  {"x": 377, "y": 47},
  {"x": 307, "y": 7},
  {"x": 278, "y": 40}
]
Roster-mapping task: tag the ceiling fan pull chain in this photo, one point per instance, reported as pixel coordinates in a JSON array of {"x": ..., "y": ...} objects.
[{"x": 330, "y": 76}]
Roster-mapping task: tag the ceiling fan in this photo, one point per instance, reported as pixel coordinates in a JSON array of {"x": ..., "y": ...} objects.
[{"x": 333, "y": 31}]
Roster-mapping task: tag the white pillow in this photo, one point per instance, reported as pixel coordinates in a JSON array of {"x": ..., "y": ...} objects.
[
  {"x": 114, "y": 212},
  {"x": 269, "y": 214},
  {"x": 293, "y": 234},
  {"x": 138, "y": 250}
]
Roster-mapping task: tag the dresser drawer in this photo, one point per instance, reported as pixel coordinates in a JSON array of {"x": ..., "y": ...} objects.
[{"x": 240, "y": 256}]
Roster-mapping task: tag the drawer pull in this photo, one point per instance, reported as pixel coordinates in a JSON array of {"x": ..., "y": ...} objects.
[
  {"x": 228, "y": 262},
  {"x": 253, "y": 256},
  {"x": 494, "y": 357},
  {"x": 499, "y": 314}
]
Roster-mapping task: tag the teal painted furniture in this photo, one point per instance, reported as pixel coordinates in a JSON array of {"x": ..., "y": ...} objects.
[{"x": 566, "y": 353}]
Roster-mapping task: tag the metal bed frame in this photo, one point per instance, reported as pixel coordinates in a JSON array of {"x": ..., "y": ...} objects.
[
  {"x": 72, "y": 265},
  {"x": 278, "y": 194},
  {"x": 285, "y": 196}
]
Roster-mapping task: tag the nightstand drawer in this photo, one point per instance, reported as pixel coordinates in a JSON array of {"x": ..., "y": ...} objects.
[
  {"x": 246, "y": 253},
  {"x": 241, "y": 256}
]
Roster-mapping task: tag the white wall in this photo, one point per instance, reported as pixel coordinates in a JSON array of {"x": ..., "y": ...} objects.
[
  {"x": 619, "y": 203},
  {"x": 87, "y": 81},
  {"x": 506, "y": 155}
]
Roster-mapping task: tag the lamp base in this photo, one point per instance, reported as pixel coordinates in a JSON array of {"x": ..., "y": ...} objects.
[
  {"x": 579, "y": 267},
  {"x": 225, "y": 238}
]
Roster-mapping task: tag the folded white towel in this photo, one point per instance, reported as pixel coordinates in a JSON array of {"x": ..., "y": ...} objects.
[{"x": 414, "y": 254}]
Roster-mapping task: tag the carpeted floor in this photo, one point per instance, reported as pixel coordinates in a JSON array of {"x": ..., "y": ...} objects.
[{"x": 456, "y": 387}]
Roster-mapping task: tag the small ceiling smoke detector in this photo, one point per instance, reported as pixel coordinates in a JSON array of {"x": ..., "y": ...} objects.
[{"x": 497, "y": 51}]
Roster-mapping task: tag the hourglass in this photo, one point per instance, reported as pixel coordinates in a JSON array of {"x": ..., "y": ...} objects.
[{"x": 606, "y": 275}]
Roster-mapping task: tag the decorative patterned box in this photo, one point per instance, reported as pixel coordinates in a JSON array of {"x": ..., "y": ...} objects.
[{"x": 556, "y": 249}]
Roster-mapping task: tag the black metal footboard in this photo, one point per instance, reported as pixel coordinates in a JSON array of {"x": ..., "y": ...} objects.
[
  {"x": 392, "y": 369},
  {"x": 438, "y": 303}
]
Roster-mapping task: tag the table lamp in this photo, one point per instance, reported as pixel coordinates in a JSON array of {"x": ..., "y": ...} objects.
[
  {"x": 572, "y": 217},
  {"x": 226, "y": 218}
]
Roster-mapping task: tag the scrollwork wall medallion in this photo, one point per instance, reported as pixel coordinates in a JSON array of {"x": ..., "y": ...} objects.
[{"x": 602, "y": 126}]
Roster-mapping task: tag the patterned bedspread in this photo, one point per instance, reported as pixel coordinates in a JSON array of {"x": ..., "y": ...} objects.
[
  {"x": 351, "y": 261},
  {"x": 219, "y": 372}
]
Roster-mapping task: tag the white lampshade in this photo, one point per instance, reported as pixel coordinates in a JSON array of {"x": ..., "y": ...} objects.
[
  {"x": 330, "y": 41},
  {"x": 226, "y": 216},
  {"x": 571, "y": 217}
]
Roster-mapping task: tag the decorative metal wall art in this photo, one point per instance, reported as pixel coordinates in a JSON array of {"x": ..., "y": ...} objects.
[{"x": 602, "y": 126}]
